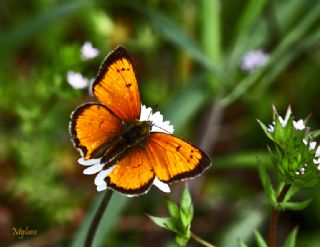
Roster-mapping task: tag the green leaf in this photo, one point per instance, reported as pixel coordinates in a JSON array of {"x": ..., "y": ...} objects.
[
  {"x": 291, "y": 192},
  {"x": 266, "y": 183},
  {"x": 186, "y": 208},
  {"x": 163, "y": 222},
  {"x": 265, "y": 130},
  {"x": 259, "y": 239},
  {"x": 173, "y": 209},
  {"x": 242, "y": 244},
  {"x": 296, "y": 206},
  {"x": 182, "y": 240},
  {"x": 291, "y": 240},
  {"x": 186, "y": 201}
]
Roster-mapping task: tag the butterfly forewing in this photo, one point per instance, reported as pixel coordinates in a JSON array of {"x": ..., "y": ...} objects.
[
  {"x": 116, "y": 85},
  {"x": 91, "y": 126}
]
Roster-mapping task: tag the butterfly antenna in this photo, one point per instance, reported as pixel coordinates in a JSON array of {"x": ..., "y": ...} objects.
[
  {"x": 155, "y": 107},
  {"x": 161, "y": 128}
]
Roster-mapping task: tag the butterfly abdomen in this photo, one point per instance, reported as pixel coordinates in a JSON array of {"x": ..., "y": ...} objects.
[{"x": 134, "y": 134}]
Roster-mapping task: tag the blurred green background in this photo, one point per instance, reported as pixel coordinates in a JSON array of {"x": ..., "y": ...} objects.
[{"x": 187, "y": 55}]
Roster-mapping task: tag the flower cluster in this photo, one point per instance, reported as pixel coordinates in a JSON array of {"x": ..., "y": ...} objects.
[
  {"x": 76, "y": 79},
  {"x": 296, "y": 155},
  {"x": 94, "y": 166}
]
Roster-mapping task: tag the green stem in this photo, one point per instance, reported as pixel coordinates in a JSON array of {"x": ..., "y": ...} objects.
[
  {"x": 200, "y": 240},
  {"x": 274, "y": 218},
  {"x": 97, "y": 217}
]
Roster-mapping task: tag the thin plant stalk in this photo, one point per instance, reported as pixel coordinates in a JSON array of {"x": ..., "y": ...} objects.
[
  {"x": 97, "y": 217},
  {"x": 274, "y": 218},
  {"x": 200, "y": 240}
]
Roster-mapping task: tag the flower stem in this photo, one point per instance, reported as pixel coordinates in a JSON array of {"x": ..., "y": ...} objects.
[
  {"x": 97, "y": 217},
  {"x": 274, "y": 218},
  {"x": 200, "y": 240}
]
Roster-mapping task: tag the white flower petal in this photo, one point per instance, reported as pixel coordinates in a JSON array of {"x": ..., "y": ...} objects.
[
  {"x": 299, "y": 125},
  {"x": 89, "y": 162},
  {"x": 282, "y": 121},
  {"x": 161, "y": 185},
  {"x": 270, "y": 128},
  {"x": 318, "y": 167},
  {"x": 102, "y": 175},
  {"x": 305, "y": 142},
  {"x": 93, "y": 169},
  {"x": 158, "y": 125},
  {"x": 88, "y": 51},
  {"x": 76, "y": 80},
  {"x": 318, "y": 152},
  {"x": 102, "y": 186},
  {"x": 312, "y": 145},
  {"x": 316, "y": 161}
]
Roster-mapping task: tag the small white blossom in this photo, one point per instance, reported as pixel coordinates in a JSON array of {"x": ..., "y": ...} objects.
[
  {"x": 316, "y": 161},
  {"x": 318, "y": 152},
  {"x": 88, "y": 51},
  {"x": 254, "y": 59},
  {"x": 270, "y": 128},
  {"x": 318, "y": 167},
  {"x": 299, "y": 125},
  {"x": 77, "y": 80},
  {"x": 312, "y": 145},
  {"x": 284, "y": 121},
  {"x": 305, "y": 142},
  {"x": 302, "y": 170}
]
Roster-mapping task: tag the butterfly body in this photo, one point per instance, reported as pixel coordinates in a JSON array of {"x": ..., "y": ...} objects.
[
  {"x": 118, "y": 134},
  {"x": 133, "y": 134}
]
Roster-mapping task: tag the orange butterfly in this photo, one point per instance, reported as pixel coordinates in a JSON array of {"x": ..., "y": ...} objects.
[{"x": 119, "y": 139}]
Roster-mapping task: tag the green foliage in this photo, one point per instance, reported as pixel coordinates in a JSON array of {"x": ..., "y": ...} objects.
[
  {"x": 259, "y": 239},
  {"x": 294, "y": 155},
  {"x": 291, "y": 239},
  {"x": 179, "y": 220}
]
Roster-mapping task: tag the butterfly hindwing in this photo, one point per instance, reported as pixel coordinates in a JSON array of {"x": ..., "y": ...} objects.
[
  {"x": 165, "y": 156},
  {"x": 116, "y": 85},
  {"x": 173, "y": 158},
  {"x": 91, "y": 126},
  {"x": 132, "y": 175}
]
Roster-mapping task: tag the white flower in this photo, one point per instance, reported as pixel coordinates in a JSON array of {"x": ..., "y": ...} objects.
[
  {"x": 95, "y": 166},
  {"x": 316, "y": 161},
  {"x": 312, "y": 145},
  {"x": 270, "y": 128},
  {"x": 88, "y": 51},
  {"x": 284, "y": 121},
  {"x": 318, "y": 152},
  {"x": 299, "y": 125},
  {"x": 76, "y": 80},
  {"x": 253, "y": 60},
  {"x": 158, "y": 125}
]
